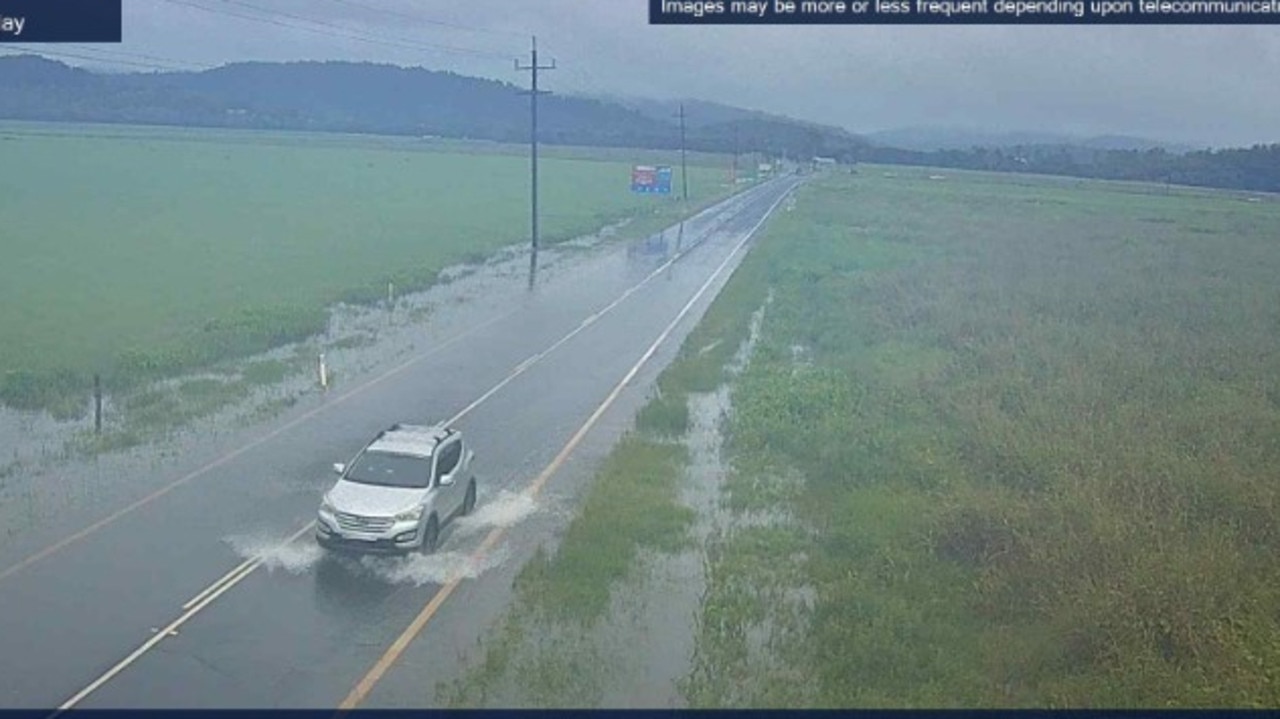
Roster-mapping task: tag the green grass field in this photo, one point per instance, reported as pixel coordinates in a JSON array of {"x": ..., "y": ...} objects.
[
  {"x": 141, "y": 251},
  {"x": 1018, "y": 443}
]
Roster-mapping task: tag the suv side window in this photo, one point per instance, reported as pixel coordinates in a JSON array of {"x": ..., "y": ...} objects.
[{"x": 449, "y": 457}]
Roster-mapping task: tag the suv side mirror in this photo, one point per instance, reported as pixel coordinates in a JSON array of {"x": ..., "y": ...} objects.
[{"x": 339, "y": 467}]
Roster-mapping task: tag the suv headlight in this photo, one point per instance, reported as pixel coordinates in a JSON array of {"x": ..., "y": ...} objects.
[
  {"x": 326, "y": 507},
  {"x": 410, "y": 515}
]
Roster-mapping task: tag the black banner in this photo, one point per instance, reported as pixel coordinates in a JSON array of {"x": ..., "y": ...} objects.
[
  {"x": 964, "y": 12},
  {"x": 24, "y": 21}
]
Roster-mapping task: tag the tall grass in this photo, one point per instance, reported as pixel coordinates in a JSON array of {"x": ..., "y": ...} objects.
[{"x": 1037, "y": 430}]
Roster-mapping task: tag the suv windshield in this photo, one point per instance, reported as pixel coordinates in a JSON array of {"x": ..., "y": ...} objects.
[{"x": 390, "y": 470}]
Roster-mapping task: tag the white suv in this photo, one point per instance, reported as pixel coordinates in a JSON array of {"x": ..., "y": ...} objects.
[{"x": 399, "y": 491}]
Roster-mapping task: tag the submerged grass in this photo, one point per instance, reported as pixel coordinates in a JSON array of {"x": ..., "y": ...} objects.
[
  {"x": 665, "y": 416},
  {"x": 542, "y": 652},
  {"x": 630, "y": 505}
]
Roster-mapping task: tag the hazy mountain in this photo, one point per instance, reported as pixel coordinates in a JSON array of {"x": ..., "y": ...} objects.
[{"x": 384, "y": 99}]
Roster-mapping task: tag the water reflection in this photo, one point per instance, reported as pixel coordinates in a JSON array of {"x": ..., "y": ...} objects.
[
  {"x": 533, "y": 268},
  {"x": 346, "y": 587}
]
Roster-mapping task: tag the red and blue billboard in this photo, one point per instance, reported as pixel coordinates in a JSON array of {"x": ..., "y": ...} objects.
[{"x": 650, "y": 180}]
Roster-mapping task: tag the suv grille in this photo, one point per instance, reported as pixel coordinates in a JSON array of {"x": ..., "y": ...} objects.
[{"x": 357, "y": 523}]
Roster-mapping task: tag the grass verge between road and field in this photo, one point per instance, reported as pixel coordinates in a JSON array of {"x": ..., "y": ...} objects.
[
  {"x": 552, "y": 647},
  {"x": 147, "y": 254},
  {"x": 1002, "y": 442},
  {"x": 540, "y": 654}
]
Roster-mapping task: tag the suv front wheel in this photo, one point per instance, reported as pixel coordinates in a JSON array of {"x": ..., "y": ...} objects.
[
  {"x": 469, "y": 502},
  {"x": 431, "y": 535}
]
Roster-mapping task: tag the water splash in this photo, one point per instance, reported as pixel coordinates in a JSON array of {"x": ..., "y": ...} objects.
[
  {"x": 294, "y": 558},
  {"x": 506, "y": 509},
  {"x": 437, "y": 568}
]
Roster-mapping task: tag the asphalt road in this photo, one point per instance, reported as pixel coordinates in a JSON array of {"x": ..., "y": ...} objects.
[{"x": 191, "y": 597}]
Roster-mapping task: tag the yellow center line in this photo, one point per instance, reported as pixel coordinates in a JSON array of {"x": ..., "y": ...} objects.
[
  {"x": 172, "y": 628},
  {"x": 375, "y": 674},
  {"x": 109, "y": 519},
  {"x": 249, "y": 566}
]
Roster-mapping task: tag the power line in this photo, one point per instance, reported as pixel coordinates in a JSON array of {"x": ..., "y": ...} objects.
[
  {"x": 144, "y": 56},
  {"x": 347, "y": 35},
  {"x": 426, "y": 21},
  {"x": 322, "y": 23},
  {"x": 77, "y": 56}
]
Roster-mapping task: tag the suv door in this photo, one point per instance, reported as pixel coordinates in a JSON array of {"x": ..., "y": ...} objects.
[{"x": 451, "y": 491}]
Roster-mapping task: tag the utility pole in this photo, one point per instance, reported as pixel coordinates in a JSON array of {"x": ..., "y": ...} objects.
[
  {"x": 533, "y": 67},
  {"x": 734, "y": 173},
  {"x": 684, "y": 169}
]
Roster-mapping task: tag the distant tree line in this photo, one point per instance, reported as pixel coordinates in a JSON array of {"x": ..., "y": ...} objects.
[
  {"x": 385, "y": 99},
  {"x": 1255, "y": 168},
  {"x": 375, "y": 99}
]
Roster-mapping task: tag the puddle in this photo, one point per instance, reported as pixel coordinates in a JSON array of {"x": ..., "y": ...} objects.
[
  {"x": 649, "y": 638},
  {"x": 743, "y": 355},
  {"x": 740, "y": 573},
  {"x": 652, "y": 625},
  {"x": 654, "y": 634}
]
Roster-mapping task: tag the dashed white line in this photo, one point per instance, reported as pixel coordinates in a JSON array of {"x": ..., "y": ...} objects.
[{"x": 361, "y": 690}]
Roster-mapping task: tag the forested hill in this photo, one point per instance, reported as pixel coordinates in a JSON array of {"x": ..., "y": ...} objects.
[
  {"x": 387, "y": 99},
  {"x": 379, "y": 99}
]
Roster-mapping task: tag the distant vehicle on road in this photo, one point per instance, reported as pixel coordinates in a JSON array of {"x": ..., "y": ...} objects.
[{"x": 399, "y": 491}]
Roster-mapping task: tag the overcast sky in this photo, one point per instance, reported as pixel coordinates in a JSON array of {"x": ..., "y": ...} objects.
[{"x": 1204, "y": 85}]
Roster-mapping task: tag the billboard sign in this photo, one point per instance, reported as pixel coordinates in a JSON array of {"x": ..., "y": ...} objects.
[{"x": 650, "y": 180}]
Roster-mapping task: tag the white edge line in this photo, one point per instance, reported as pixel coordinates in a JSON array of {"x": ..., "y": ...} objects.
[
  {"x": 384, "y": 663},
  {"x": 240, "y": 573},
  {"x": 172, "y": 627}
]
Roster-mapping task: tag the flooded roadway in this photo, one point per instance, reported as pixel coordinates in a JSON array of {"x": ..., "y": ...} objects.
[{"x": 182, "y": 590}]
